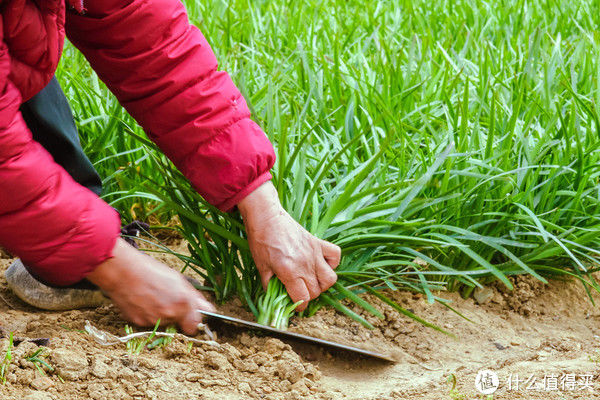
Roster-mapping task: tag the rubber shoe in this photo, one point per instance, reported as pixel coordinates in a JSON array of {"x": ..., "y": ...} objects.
[{"x": 39, "y": 295}]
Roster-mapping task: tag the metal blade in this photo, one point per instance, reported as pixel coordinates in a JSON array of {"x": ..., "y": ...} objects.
[{"x": 294, "y": 335}]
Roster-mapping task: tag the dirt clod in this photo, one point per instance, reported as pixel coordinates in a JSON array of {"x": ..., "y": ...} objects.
[
  {"x": 217, "y": 361},
  {"x": 69, "y": 364},
  {"x": 244, "y": 387},
  {"x": 42, "y": 383},
  {"x": 483, "y": 295},
  {"x": 99, "y": 368},
  {"x": 37, "y": 395},
  {"x": 292, "y": 372}
]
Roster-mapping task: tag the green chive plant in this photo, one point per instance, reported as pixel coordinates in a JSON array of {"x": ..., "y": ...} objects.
[{"x": 442, "y": 145}]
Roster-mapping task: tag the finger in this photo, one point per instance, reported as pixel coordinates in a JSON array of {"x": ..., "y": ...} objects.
[
  {"x": 136, "y": 317},
  {"x": 312, "y": 284},
  {"x": 201, "y": 302},
  {"x": 192, "y": 317},
  {"x": 189, "y": 322},
  {"x": 298, "y": 292},
  {"x": 265, "y": 277},
  {"x": 137, "y": 321},
  {"x": 325, "y": 275},
  {"x": 331, "y": 252},
  {"x": 204, "y": 304}
]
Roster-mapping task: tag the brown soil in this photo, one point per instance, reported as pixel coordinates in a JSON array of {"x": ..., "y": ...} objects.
[{"x": 535, "y": 331}]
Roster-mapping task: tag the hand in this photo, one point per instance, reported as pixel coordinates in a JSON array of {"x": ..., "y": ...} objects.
[
  {"x": 146, "y": 290},
  {"x": 281, "y": 246}
]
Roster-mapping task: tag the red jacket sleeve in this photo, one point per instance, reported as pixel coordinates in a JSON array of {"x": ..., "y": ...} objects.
[
  {"x": 55, "y": 225},
  {"x": 164, "y": 73}
]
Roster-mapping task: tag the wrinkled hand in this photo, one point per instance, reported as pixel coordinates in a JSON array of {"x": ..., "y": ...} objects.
[
  {"x": 146, "y": 290},
  {"x": 282, "y": 247}
]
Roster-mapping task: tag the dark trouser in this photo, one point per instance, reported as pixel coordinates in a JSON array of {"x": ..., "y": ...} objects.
[{"x": 50, "y": 120}]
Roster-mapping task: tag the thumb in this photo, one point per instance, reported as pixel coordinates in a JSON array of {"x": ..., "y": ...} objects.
[
  {"x": 204, "y": 304},
  {"x": 191, "y": 318}
]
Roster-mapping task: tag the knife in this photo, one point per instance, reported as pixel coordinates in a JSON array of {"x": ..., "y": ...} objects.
[{"x": 294, "y": 335}]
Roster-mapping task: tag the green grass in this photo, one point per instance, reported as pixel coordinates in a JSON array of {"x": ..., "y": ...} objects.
[
  {"x": 6, "y": 360},
  {"x": 464, "y": 134},
  {"x": 38, "y": 358}
]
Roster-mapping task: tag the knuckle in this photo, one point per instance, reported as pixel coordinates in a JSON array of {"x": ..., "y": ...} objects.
[
  {"x": 334, "y": 279},
  {"x": 314, "y": 289},
  {"x": 290, "y": 276},
  {"x": 169, "y": 312},
  {"x": 330, "y": 275},
  {"x": 296, "y": 289},
  {"x": 286, "y": 265},
  {"x": 338, "y": 250},
  {"x": 296, "y": 298},
  {"x": 315, "y": 247},
  {"x": 328, "y": 282}
]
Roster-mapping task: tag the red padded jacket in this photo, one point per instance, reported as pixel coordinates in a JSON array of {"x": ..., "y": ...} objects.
[{"x": 164, "y": 73}]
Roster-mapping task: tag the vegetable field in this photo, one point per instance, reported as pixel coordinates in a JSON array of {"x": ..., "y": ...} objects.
[{"x": 442, "y": 145}]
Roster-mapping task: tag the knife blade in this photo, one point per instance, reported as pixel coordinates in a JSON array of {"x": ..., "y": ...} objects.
[{"x": 294, "y": 335}]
